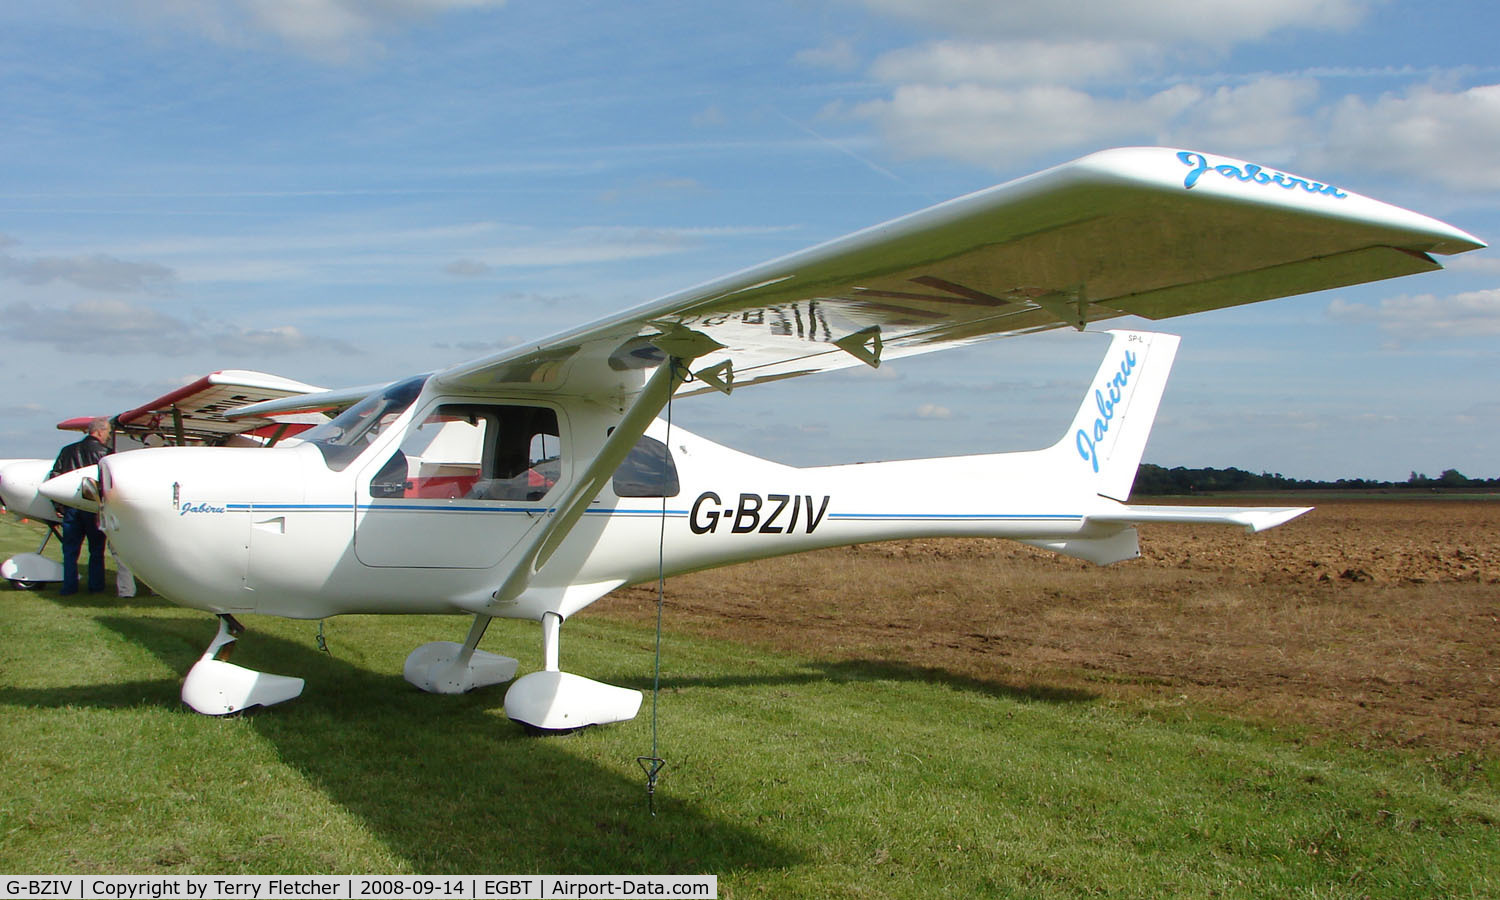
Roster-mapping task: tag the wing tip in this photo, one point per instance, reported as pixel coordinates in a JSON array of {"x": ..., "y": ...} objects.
[
  {"x": 1262, "y": 519},
  {"x": 1239, "y": 180}
]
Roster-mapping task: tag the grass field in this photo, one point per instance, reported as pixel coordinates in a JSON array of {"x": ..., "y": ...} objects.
[{"x": 788, "y": 775}]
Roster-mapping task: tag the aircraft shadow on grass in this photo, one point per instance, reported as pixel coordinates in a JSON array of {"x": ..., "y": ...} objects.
[
  {"x": 105, "y": 599},
  {"x": 454, "y": 787},
  {"x": 444, "y": 781},
  {"x": 822, "y": 671},
  {"x": 861, "y": 670}
]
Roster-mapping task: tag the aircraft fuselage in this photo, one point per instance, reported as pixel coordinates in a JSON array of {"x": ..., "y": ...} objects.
[{"x": 278, "y": 531}]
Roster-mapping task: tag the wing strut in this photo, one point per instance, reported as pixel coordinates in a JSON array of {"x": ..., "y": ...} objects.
[
  {"x": 652, "y": 399},
  {"x": 553, "y": 700}
]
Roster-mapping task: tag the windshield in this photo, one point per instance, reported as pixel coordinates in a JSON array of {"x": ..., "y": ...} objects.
[{"x": 346, "y": 436}]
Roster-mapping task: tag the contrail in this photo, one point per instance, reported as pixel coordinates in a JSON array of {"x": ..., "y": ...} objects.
[{"x": 876, "y": 167}]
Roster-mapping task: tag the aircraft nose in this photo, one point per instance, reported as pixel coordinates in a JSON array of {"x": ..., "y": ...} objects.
[
  {"x": 178, "y": 556},
  {"x": 125, "y": 485},
  {"x": 20, "y": 489},
  {"x": 180, "y": 517},
  {"x": 134, "y": 493},
  {"x": 78, "y": 489}
]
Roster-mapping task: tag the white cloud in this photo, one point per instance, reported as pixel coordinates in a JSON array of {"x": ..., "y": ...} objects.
[
  {"x": 1034, "y": 80},
  {"x": 96, "y": 271},
  {"x": 600, "y": 244},
  {"x": 838, "y": 55},
  {"x": 999, "y": 104},
  {"x": 327, "y": 254},
  {"x": 933, "y": 411},
  {"x": 467, "y": 268},
  {"x": 106, "y": 326},
  {"x": 1427, "y": 315},
  {"x": 1213, "y": 22},
  {"x": 134, "y": 389},
  {"x": 651, "y": 188},
  {"x": 110, "y": 327},
  {"x": 1011, "y": 62},
  {"x": 316, "y": 236},
  {"x": 1269, "y": 115},
  {"x": 330, "y": 30},
  {"x": 479, "y": 347},
  {"x": 1447, "y": 137},
  {"x": 999, "y": 127},
  {"x": 1482, "y": 262},
  {"x": 280, "y": 340},
  {"x": 1478, "y": 413},
  {"x": 711, "y": 117}
]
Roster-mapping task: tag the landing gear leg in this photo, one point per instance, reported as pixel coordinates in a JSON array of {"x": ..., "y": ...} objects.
[
  {"x": 216, "y": 687},
  {"x": 443, "y": 667},
  {"x": 553, "y": 700}
]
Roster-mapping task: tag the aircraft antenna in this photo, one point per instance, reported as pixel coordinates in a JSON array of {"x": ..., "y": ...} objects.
[{"x": 653, "y": 764}]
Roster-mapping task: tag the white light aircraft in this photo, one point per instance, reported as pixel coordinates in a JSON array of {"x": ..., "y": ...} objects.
[
  {"x": 530, "y": 483},
  {"x": 191, "y": 414}
]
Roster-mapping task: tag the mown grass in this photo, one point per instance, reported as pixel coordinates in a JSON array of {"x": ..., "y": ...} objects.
[{"x": 787, "y": 777}]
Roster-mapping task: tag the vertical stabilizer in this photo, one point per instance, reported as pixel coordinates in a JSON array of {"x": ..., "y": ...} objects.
[{"x": 1108, "y": 435}]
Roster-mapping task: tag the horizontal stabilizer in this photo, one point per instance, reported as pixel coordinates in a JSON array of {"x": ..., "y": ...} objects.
[{"x": 1250, "y": 518}]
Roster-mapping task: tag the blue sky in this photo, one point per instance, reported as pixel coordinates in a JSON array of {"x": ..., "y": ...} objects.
[{"x": 347, "y": 192}]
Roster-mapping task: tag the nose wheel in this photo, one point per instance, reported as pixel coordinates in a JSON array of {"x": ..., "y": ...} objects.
[
  {"x": 217, "y": 687},
  {"x": 29, "y": 571}
]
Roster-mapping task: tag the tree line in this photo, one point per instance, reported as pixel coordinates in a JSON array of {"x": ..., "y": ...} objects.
[{"x": 1152, "y": 479}]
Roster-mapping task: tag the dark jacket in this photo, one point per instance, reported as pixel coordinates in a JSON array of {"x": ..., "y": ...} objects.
[{"x": 79, "y": 454}]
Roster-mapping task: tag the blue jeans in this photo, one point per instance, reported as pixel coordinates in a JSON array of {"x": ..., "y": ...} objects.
[{"x": 78, "y": 526}]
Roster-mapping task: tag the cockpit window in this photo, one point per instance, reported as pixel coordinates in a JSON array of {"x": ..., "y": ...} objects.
[
  {"x": 475, "y": 451},
  {"x": 347, "y": 435}
]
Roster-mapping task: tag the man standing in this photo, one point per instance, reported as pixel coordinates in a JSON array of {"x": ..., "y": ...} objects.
[{"x": 77, "y": 525}]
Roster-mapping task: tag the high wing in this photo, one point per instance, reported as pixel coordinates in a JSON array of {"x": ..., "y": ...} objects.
[
  {"x": 194, "y": 413},
  {"x": 1151, "y": 231}
]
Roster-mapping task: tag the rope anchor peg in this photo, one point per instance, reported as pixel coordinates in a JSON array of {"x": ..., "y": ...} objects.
[{"x": 652, "y": 766}]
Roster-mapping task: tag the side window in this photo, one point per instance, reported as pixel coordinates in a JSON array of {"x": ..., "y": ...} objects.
[
  {"x": 391, "y": 481},
  {"x": 475, "y": 451},
  {"x": 647, "y": 472}
]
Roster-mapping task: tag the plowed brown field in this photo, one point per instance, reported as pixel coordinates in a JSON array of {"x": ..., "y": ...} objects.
[{"x": 1377, "y": 620}]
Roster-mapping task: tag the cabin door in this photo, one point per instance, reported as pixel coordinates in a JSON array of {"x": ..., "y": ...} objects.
[{"x": 466, "y": 485}]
